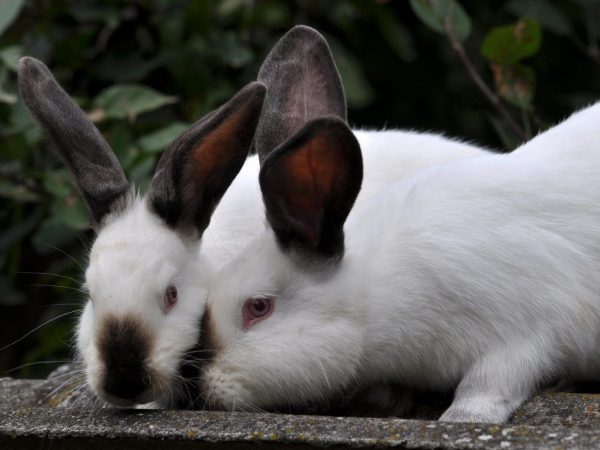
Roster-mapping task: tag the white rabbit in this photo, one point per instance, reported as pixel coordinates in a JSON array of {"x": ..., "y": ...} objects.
[
  {"x": 148, "y": 270},
  {"x": 480, "y": 275}
]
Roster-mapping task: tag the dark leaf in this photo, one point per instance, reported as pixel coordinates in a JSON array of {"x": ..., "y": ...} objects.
[
  {"x": 515, "y": 83},
  {"x": 127, "y": 101},
  {"x": 9, "y": 10},
  {"x": 512, "y": 43},
  {"x": 158, "y": 140}
]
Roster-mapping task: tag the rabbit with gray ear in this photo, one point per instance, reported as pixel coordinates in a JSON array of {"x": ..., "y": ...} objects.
[
  {"x": 154, "y": 256},
  {"x": 145, "y": 273},
  {"x": 478, "y": 276}
]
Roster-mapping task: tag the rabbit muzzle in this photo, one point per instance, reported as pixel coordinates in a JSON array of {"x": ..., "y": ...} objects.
[{"x": 124, "y": 348}]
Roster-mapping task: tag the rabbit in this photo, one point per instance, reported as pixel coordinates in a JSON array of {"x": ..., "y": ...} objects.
[
  {"x": 154, "y": 255},
  {"x": 478, "y": 276},
  {"x": 145, "y": 270}
]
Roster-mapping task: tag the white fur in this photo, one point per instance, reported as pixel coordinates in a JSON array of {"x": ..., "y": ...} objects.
[
  {"x": 136, "y": 256},
  {"x": 480, "y": 275}
]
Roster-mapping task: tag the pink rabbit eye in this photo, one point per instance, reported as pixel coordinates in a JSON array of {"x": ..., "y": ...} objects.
[
  {"x": 170, "y": 297},
  {"x": 256, "y": 309}
]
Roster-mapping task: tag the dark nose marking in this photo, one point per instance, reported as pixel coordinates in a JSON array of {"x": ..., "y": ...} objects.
[{"x": 124, "y": 347}]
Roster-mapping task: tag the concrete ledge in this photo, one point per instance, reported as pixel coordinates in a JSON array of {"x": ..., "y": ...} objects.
[
  {"x": 37, "y": 427},
  {"x": 560, "y": 409},
  {"x": 32, "y": 416}
]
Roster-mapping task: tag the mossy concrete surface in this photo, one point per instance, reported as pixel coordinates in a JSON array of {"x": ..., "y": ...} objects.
[{"x": 31, "y": 416}]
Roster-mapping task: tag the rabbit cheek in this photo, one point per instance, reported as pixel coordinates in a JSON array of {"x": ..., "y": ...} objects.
[
  {"x": 86, "y": 348},
  {"x": 124, "y": 347}
]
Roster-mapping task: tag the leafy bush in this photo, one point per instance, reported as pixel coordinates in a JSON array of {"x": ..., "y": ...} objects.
[{"x": 145, "y": 69}]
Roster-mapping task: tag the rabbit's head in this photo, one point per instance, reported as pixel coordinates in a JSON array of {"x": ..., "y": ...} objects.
[
  {"x": 267, "y": 339},
  {"x": 273, "y": 334},
  {"x": 145, "y": 278}
]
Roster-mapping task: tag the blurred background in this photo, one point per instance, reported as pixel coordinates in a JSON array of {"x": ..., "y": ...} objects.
[{"x": 494, "y": 73}]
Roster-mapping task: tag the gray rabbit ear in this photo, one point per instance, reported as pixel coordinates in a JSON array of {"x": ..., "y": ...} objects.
[
  {"x": 309, "y": 185},
  {"x": 302, "y": 82},
  {"x": 93, "y": 166},
  {"x": 198, "y": 167}
]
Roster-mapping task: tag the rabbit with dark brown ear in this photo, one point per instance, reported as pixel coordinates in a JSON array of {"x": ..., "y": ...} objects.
[
  {"x": 303, "y": 84},
  {"x": 154, "y": 256},
  {"x": 479, "y": 276}
]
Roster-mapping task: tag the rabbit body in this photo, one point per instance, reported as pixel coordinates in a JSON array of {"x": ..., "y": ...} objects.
[
  {"x": 478, "y": 275},
  {"x": 491, "y": 263}
]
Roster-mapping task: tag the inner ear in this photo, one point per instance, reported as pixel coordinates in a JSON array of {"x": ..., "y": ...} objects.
[
  {"x": 309, "y": 185},
  {"x": 311, "y": 177},
  {"x": 198, "y": 167},
  {"x": 219, "y": 151}
]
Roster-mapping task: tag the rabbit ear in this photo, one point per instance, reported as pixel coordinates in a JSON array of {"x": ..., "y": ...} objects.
[
  {"x": 309, "y": 185},
  {"x": 302, "y": 84},
  {"x": 198, "y": 167},
  {"x": 93, "y": 166}
]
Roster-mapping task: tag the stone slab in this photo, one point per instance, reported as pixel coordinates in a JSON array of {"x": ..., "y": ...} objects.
[
  {"x": 39, "y": 427},
  {"x": 53, "y": 414},
  {"x": 560, "y": 409}
]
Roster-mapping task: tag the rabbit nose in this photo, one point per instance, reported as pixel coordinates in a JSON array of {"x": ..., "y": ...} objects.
[{"x": 124, "y": 347}]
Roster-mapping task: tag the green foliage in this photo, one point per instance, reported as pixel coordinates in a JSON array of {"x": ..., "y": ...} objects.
[
  {"x": 158, "y": 140},
  {"x": 144, "y": 70},
  {"x": 506, "y": 46},
  {"x": 512, "y": 43},
  {"x": 127, "y": 101},
  {"x": 9, "y": 9}
]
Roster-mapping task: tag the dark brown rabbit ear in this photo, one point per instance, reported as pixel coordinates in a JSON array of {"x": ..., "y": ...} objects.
[
  {"x": 309, "y": 185},
  {"x": 198, "y": 167},
  {"x": 302, "y": 82},
  {"x": 93, "y": 165}
]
